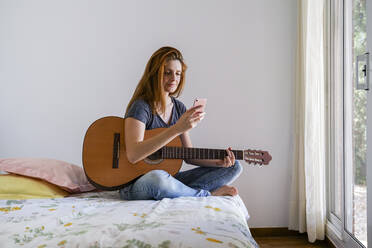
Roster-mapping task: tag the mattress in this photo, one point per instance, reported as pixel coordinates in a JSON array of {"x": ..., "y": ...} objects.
[{"x": 101, "y": 219}]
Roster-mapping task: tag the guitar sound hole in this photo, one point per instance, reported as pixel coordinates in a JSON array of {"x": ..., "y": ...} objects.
[{"x": 154, "y": 158}]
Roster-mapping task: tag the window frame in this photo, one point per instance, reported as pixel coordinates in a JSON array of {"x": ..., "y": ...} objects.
[{"x": 336, "y": 229}]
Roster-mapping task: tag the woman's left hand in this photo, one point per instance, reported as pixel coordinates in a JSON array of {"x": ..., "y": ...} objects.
[{"x": 229, "y": 160}]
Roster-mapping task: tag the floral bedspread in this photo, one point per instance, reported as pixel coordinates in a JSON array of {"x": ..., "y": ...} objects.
[{"x": 101, "y": 219}]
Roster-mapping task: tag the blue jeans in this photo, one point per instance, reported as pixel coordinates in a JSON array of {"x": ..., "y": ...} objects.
[{"x": 198, "y": 182}]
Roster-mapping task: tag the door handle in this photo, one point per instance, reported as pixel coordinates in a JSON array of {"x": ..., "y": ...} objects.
[{"x": 364, "y": 85}]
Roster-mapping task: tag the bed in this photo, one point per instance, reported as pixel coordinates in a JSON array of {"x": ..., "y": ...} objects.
[{"x": 102, "y": 219}]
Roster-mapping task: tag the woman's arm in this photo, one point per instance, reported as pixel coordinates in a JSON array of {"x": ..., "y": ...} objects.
[
  {"x": 137, "y": 148},
  {"x": 226, "y": 162}
]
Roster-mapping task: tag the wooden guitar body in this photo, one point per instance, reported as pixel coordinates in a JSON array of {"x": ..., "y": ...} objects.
[{"x": 105, "y": 161}]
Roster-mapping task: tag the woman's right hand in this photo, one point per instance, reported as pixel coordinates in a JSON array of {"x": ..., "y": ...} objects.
[{"x": 189, "y": 119}]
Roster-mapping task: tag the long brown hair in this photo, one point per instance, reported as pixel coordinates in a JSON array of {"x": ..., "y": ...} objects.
[{"x": 150, "y": 87}]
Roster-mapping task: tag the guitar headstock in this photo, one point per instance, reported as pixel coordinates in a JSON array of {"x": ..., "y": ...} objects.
[{"x": 257, "y": 157}]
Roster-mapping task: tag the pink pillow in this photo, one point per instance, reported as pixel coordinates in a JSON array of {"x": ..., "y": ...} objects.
[{"x": 68, "y": 176}]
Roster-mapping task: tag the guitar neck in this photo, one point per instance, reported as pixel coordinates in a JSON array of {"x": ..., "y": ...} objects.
[{"x": 169, "y": 152}]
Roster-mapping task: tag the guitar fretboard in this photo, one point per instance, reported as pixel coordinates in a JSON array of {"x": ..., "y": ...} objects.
[{"x": 169, "y": 152}]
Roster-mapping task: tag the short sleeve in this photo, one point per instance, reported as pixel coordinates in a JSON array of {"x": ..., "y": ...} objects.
[
  {"x": 180, "y": 110},
  {"x": 139, "y": 110}
]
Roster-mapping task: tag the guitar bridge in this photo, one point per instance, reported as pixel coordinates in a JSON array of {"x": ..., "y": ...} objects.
[{"x": 116, "y": 151}]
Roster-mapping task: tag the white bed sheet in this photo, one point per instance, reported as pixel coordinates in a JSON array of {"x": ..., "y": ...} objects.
[{"x": 101, "y": 219}]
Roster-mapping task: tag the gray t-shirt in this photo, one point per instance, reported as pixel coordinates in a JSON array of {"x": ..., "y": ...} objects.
[{"x": 141, "y": 110}]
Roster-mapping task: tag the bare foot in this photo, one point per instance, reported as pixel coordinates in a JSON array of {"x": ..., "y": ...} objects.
[{"x": 225, "y": 190}]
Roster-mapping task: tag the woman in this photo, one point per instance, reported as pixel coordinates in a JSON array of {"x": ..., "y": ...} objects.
[{"x": 154, "y": 105}]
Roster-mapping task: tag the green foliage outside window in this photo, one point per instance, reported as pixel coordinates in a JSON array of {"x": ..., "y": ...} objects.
[{"x": 360, "y": 96}]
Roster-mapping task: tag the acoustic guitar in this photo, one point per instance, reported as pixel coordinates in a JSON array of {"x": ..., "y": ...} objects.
[{"x": 107, "y": 167}]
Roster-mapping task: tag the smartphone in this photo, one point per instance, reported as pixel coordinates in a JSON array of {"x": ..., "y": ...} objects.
[{"x": 200, "y": 101}]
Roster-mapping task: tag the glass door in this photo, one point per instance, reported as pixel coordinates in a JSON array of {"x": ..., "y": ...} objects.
[{"x": 355, "y": 122}]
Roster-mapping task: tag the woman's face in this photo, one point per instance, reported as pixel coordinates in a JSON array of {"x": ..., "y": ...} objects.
[{"x": 172, "y": 75}]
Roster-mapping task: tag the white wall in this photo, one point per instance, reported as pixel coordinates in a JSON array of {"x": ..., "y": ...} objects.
[{"x": 64, "y": 64}]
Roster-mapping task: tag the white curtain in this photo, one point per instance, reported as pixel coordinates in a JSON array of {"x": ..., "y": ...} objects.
[{"x": 308, "y": 204}]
